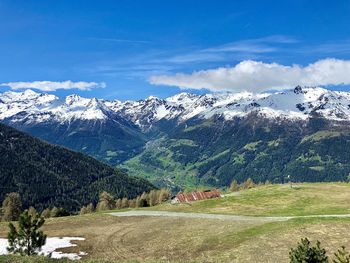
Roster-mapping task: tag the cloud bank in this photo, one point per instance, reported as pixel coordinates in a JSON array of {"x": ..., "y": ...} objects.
[
  {"x": 257, "y": 76},
  {"x": 54, "y": 85}
]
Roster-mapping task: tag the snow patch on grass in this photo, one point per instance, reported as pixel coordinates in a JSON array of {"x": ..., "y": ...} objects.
[{"x": 52, "y": 244}]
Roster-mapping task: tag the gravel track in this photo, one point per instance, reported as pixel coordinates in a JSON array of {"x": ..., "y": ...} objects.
[{"x": 219, "y": 216}]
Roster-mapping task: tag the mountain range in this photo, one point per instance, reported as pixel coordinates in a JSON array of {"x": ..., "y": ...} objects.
[{"x": 189, "y": 140}]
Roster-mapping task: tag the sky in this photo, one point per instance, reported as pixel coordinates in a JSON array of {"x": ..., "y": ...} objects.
[{"x": 134, "y": 49}]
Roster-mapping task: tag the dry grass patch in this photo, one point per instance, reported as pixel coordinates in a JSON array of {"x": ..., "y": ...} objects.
[{"x": 144, "y": 238}]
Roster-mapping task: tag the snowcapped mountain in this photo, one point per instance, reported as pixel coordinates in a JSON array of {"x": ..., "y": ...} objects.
[
  {"x": 40, "y": 107},
  {"x": 86, "y": 125},
  {"x": 299, "y": 103}
]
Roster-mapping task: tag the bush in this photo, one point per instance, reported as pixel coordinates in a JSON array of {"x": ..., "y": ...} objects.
[{"x": 341, "y": 256}]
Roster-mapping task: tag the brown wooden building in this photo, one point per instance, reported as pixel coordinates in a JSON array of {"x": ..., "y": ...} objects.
[{"x": 197, "y": 195}]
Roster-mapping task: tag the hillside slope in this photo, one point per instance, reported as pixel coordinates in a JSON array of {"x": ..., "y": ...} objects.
[{"x": 48, "y": 175}]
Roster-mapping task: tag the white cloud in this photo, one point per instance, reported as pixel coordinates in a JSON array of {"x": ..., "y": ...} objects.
[
  {"x": 257, "y": 76},
  {"x": 54, "y": 85}
]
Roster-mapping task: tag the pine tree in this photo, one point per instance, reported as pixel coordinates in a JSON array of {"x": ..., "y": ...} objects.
[
  {"x": 132, "y": 203},
  {"x": 118, "y": 203},
  {"x": 28, "y": 239},
  {"x": 87, "y": 209},
  {"x": 153, "y": 197},
  {"x": 144, "y": 202},
  {"x": 305, "y": 253},
  {"x": 46, "y": 213},
  {"x": 54, "y": 212},
  {"x": 11, "y": 207},
  {"x": 58, "y": 212},
  {"x": 125, "y": 202},
  {"x": 106, "y": 202},
  {"x": 83, "y": 210},
  {"x": 90, "y": 208},
  {"x": 32, "y": 211},
  {"x": 341, "y": 256},
  {"x": 164, "y": 195},
  {"x": 234, "y": 186},
  {"x": 138, "y": 202},
  {"x": 248, "y": 184}
]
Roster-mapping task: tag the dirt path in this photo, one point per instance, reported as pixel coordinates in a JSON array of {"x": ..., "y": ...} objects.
[
  {"x": 219, "y": 216},
  {"x": 199, "y": 215}
]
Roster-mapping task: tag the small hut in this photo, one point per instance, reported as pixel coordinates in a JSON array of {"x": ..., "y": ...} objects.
[{"x": 197, "y": 195}]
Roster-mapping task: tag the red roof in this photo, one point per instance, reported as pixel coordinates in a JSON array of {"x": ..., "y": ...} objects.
[{"x": 198, "y": 195}]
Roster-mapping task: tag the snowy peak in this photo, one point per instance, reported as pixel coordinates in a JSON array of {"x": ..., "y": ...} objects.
[
  {"x": 183, "y": 98},
  {"x": 27, "y": 95},
  {"x": 298, "y": 103},
  {"x": 30, "y": 106},
  {"x": 28, "y": 102},
  {"x": 75, "y": 99}
]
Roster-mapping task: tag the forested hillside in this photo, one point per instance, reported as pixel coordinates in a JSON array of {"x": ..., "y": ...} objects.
[
  {"x": 213, "y": 152},
  {"x": 47, "y": 175}
]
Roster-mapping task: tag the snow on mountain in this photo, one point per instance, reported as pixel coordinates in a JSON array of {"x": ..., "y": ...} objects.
[
  {"x": 38, "y": 107},
  {"x": 76, "y": 107},
  {"x": 12, "y": 103},
  {"x": 299, "y": 103}
]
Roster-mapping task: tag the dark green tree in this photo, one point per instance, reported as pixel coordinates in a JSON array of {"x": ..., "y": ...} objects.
[
  {"x": 28, "y": 239},
  {"x": 341, "y": 256},
  {"x": 306, "y": 253}
]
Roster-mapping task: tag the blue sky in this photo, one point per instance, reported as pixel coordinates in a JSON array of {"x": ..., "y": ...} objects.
[{"x": 125, "y": 43}]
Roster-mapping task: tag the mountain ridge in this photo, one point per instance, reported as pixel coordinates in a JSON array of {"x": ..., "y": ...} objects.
[{"x": 299, "y": 103}]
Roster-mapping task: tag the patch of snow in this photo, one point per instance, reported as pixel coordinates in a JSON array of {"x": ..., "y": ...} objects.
[
  {"x": 52, "y": 244},
  {"x": 161, "y": 112}
]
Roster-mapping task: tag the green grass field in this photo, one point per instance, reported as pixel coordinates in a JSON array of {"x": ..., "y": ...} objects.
[
  {"x": 168, "y": 239},
  {"x": 275, "y": 200}
]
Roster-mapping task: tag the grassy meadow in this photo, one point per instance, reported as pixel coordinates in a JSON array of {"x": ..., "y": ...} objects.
[{"x": 169, "y": 239}]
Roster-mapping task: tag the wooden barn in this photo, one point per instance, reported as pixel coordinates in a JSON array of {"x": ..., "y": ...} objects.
[{"x": 197, "y": 195}]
